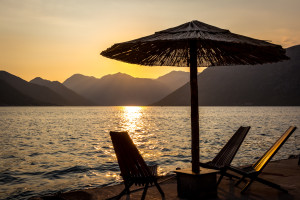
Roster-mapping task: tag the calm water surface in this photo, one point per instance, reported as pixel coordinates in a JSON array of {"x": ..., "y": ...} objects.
[{"x": 52, "y": 149}]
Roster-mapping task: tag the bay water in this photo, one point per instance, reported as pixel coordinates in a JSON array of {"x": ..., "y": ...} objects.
[{"x": 46, "y": 150}]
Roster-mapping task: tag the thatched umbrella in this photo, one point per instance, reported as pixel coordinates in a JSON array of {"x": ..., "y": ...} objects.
[{"x": 195, "y": 44}]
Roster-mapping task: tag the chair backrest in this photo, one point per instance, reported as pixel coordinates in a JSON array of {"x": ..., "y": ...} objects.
[
  {"x": 227, "y": 153},
  {"x": 263, "y": 161},
  {"x": 131, "y": 163}
]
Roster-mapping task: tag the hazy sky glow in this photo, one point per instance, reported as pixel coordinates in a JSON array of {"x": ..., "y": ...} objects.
[{"x": 55, "y": 39}]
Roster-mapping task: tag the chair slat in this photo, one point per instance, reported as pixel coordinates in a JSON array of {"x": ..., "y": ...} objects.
[
  {"x": 227, "y": 153},
  {"x": 263, "y": 161}
]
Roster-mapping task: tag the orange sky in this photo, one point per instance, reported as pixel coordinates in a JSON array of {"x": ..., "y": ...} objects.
[{"x": 55, "y": 39}]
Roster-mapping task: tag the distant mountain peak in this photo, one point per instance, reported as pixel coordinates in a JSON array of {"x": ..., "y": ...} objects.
[
  {"x": 38, "y": 79},
  {"x": 44, "y": 82},
  {"x": 72, "y": 97},
  {"x": 37, "y": 94},
  {"x": 7, "y": 74},
  {"x": 41, "y": 80},
  {"x": 117, "y": 75},
  {"x": 174, "y": 79},
  {"x": 80, "y": 76},
  {"x": 3, "y": 72},
  {"x": 174, "y": 73}
]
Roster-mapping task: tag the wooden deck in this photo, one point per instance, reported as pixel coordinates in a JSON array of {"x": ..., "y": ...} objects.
[{"x": 284, "y": 172}]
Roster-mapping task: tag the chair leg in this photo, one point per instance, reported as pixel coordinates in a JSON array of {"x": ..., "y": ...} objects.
[
  {"x": 125, "y": 191},
  {"x": 145, "y": 191},
  {"x": 159, "y": 189},
  {"x": 224, "y": 173},
  {"x": 247, "y": 186},
  {"x": 219, "y": 181},
  {"x": 274, "y": 185}
]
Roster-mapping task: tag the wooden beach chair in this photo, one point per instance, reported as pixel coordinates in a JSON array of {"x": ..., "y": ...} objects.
[
  {"x": 253, "y": 171},
  {"x": 133, "y": 168},
  {"x": 227, "y": 153}
]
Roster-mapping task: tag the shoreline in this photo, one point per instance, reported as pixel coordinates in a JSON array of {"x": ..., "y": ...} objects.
[{"x": 284, "y": 172}]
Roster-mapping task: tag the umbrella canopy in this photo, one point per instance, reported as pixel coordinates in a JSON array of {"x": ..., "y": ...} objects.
[
  {"x": 195, "y": 44},
  {"x": 215, "y": 47}
]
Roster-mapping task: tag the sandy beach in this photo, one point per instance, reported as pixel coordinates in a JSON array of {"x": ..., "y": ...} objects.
[{"x": 283, "y": 172}]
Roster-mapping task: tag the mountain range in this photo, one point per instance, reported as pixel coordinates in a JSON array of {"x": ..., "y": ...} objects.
[
  {"x": 70, "y": 96},
  {"x": 13, "y": 97},
  {"x": 276, "y": 84},
  {"x": 122, "y": 89},
  {"x": 27, "y": 92},
  {"x": 79, "y": 90}
]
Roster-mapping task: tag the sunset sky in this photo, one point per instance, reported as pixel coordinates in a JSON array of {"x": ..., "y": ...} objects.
[{"x": 55, "y": 39}]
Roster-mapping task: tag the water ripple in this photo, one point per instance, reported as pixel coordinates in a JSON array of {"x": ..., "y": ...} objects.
[{"x": 52, "y": 149}]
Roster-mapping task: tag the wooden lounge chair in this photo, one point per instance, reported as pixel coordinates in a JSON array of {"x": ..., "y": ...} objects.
[
  {"x": 133, "y": 168},
  {"x": 253, "y": 171},
  {"x": 227, "y": 153}
]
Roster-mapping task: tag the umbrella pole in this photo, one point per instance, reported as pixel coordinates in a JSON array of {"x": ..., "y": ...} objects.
[{"x": 194, "y": 106}]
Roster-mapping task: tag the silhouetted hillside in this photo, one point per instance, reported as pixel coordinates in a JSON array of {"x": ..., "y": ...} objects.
[
  {"x": 12, "y": 97},
  {"x": 79, "y": 83},
  {"x": 72, "y": 97},
  {"x": 117, "y": 89},
  {"x": 174, "y": 79},
  {"x": 275, "y": 84},
  {"x": 36, "y": 92}
]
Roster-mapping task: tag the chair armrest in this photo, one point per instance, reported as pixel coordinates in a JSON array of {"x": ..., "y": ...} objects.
[
  {"x": 235, "y": 169},
  {"x": 243, "y": 171},
  {"x": 208, "y": 165}
]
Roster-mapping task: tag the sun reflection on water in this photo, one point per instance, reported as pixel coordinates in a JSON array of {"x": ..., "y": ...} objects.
[
  {"x": 140, "y": 128},
  {"x": 132, "y": 118},
  {"x": 133, "y": 122}
]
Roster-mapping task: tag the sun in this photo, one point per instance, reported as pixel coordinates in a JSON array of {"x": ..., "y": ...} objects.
[{"x": 132, "y": 110}]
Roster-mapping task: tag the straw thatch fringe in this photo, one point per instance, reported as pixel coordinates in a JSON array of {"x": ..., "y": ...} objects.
[
  {"x": 215, "y": 47},
  {"x": 210, "y": 53}
]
